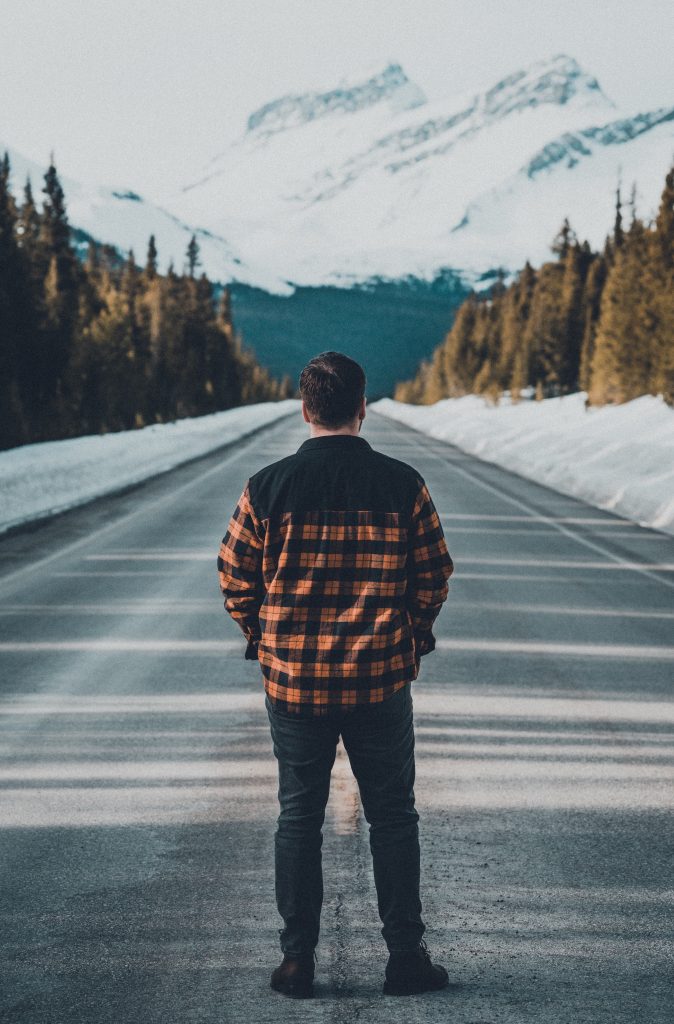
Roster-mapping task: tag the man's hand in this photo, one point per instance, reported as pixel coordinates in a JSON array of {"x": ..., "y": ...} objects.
[{"x": 251, "y": 651}]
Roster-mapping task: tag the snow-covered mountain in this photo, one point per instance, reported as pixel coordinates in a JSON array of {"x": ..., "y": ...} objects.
[{"x": 371, "y": 179}]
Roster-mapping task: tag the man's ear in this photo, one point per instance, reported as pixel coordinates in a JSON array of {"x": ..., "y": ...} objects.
[{"x": 305, "y": 414}]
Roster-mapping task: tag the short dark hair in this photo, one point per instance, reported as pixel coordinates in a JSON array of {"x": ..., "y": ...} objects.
[{"x": 332, "y": 386}]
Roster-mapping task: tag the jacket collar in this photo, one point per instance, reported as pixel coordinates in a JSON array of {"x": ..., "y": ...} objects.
[{"x": 353, "y": 441}]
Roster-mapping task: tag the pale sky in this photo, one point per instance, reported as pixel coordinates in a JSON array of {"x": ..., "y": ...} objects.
[{"x": 141, "y": 94}]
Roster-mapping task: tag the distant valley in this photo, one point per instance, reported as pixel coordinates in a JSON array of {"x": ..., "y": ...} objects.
[{"x": 387, "y": 326}]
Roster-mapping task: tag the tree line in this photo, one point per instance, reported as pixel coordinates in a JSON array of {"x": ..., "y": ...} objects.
[
  {"x": 599, "y": 322},
  {"x": 101, "y": 344}
]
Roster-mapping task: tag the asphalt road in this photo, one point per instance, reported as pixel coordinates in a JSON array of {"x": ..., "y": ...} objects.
[{"x": 138, "y": 783}]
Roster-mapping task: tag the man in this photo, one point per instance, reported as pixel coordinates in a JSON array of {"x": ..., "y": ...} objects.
[{"x": 335, "y": 567}]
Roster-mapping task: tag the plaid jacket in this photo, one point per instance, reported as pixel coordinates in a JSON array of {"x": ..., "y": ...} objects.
[{"x": 334, "y": 565}]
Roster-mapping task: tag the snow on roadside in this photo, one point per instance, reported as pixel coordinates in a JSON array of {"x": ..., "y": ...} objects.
[
  {"x": 619, "y": 458},
  {"x": 40, "y": 479}
]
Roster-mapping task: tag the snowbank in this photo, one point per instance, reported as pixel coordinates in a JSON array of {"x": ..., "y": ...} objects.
[
  {"x": 619, "y": 458},
  {"x": 40, "y": 479}
]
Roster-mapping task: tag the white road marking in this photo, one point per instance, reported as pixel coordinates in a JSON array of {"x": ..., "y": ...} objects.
[
  {"x": 140, "y": 607},
  {"x": 546, "y": 563},
  {"x": 192, "y": 605},
  {"x": 133, "y": 704},
  {"x": 578, "y": 757},
  {"x": 639, "y": 651},
  {"x": 253, "y": 797},
  {"x": 456, "y": 581},
  {"x": 430, "y": 767},
  {"x": 224, "y": 768},
  {"x": 536, "y": 517},
  {"x": 500, "y": 531},
  {"x": 561, "y": 609},
  {"x": 218, "y": 647},
  {"x": 166, "y": 646},
  {"x": 565, "y": 563},
  {"x": 588, "y": 737},
  {"x": 156, "y": 556},
  {"x": 100, "y": 575},
  {"x": 449, "y": 704}
]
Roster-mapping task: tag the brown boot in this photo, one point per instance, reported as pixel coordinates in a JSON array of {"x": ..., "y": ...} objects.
[
  {"x": 295, "y": 976},
  {"x": 408, "y": 974}
]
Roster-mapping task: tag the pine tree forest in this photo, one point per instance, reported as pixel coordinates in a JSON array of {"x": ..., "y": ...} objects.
[
  {"x": 105, "y": 344},
  {"x": 599, "y": 322}
]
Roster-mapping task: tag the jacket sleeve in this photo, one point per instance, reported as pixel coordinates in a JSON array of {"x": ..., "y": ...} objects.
[
  {"x": 240, "y": 570},
  {"x": 429, "y": 569}
]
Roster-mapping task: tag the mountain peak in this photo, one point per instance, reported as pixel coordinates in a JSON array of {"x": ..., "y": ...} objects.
[
  {"x": 351, "y": 93},
  {"x": 555, "y": 80}
]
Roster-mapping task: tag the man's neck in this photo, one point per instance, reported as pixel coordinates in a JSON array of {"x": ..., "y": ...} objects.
[{"x": 317, "y": 432}]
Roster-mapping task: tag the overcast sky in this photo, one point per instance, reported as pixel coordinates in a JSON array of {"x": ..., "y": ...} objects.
[{"x": 140, "y": 94}]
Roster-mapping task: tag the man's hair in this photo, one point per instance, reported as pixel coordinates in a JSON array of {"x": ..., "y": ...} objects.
[{"x": 332, "y": 386}]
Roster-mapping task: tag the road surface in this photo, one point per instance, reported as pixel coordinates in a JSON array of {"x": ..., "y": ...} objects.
[{"x": 139, "y": 784}]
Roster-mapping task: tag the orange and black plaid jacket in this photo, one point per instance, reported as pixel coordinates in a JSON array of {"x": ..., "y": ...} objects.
[{"x": 335, "y": 567}]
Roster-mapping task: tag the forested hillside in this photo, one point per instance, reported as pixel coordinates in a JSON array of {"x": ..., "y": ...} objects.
[
  {"x": 601, "y": 322},
  {"x": 105, "y": 344}
]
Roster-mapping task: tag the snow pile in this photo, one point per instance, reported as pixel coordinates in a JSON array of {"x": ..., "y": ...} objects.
[
  {"x": 40, "y": 479},
  {"x": 619, "y": 458}
]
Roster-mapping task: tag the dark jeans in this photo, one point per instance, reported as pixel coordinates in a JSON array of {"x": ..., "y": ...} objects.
[{"x": 379, "y": 741}]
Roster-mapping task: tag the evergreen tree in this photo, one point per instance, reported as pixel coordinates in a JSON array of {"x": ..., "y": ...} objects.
[
  {"x": 170, "y": 358},
  {"x": 92, "y": 263},
  {"x": 61, "y": 298},
  {"x": 596, "y": 279},
  {"x": 544, "y": 334},
  {"x": 111, "y": 342},
  {"x": 461, "y": 360},
  {"x": 151, "y": 261},
  {"x": 572, "y": 311},
  {"x": 435, "y": 385},
  {"x": 664, "y": 224},
  {"x": 28, "y": 229},
  {"x": 131, "y": 286},
  {"x": 193, "y": 260},
  {"x": 564, "y": 238},
  {"x": 662, "y": 290},
  {"x": 13, "y": 295},
  {"x": 33, "y": 269},
  {"x": 632, "y": 204},
  {"x": 618, "y": 233},
  {"x": 622, "y": 359},
  {"x": 513, "y": 366},
  {"x": 225, "y": 368}
]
